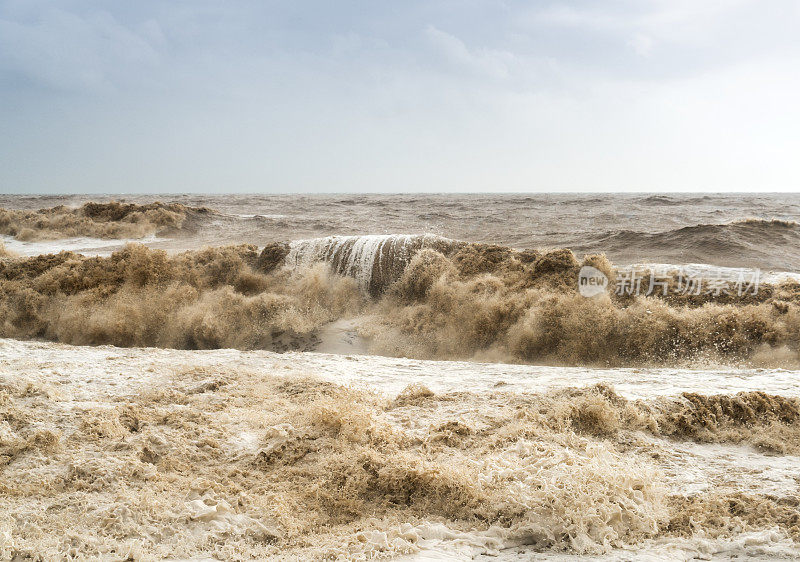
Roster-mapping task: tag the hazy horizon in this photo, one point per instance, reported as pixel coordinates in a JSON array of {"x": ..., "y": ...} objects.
[{"x": 139, "y": 194}]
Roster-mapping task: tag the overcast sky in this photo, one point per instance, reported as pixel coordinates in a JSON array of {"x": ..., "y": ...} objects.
[{"x": 435, "y": 95}]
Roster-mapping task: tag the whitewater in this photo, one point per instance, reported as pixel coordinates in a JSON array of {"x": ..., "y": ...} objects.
[
  {"x": 324, "y": 391},
  {"x": 84, "y": 385}
]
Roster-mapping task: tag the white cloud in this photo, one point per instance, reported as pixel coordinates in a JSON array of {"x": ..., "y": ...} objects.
[{"x": 494, "y": 63}]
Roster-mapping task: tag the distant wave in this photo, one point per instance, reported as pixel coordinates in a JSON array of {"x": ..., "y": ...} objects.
[
  {"x": 771, "y": 223},
  {"x": 661, "y": 200},
  {"x": 772, "y": 242},
  {"x": 672, "y": 200},
  {"x": 113, "y": 220}
]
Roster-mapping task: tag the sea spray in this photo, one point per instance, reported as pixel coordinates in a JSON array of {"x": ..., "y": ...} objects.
[
  {"x": 375, "y": 261},
  {"x": 417, "y": 296}
]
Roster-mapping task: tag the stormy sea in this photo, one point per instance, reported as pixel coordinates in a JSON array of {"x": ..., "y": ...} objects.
[{"x": 409, "y": 377}]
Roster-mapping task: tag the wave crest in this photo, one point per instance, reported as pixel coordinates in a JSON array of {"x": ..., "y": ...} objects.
[
  {"x": 751, "y": 242},
  {"x": 423, "y": 297},
  {"x": 375, "y": 261}
]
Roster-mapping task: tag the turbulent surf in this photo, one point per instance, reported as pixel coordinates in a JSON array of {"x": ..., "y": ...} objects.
[
  {"x": 333, "y": 392},
  {"x": 416, "y": 296},
  {"x": 100, "y": 220}
]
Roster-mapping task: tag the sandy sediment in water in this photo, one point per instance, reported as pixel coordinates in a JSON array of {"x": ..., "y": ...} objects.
[
  {"x": 437, "y": 299},
  {"x": 131, "y": 457},
  {"x": 110, "y": 453},
  {"x": 187, "y": 460},
  {"x": 197, "y": 300},
  {"x": 98, "y": 220}
]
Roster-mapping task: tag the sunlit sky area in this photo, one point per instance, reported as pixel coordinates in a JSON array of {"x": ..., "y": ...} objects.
[{"x": 435, "y": 95}]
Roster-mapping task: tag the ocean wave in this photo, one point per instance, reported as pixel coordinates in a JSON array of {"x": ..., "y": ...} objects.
[
  {"x": 750, "y": 242},
  {"x": 713, "y": 237},
  {"x": 112, "y": 220},
  {"x": 375, "y": 261},
  {"x": 416, "y": 295},
  {"x": 658, "y": 200}
]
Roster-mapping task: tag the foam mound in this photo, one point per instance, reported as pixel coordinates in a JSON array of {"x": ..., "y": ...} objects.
[
  {"x": 415, "y": 296},
  {"x": 193, "y": 461},
  {"x": 99, "y": 220}
]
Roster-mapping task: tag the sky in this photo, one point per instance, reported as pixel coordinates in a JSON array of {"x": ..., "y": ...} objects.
[{"x": 375, "y": 96}]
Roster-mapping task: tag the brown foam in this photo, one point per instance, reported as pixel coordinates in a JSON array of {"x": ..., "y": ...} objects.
[{"x": 97, "y": 220}]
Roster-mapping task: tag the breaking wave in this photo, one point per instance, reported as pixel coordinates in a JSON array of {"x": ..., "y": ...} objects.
[
  {"x": 99, "y": 220},
  {"x": 415, "y": 295},
  {"x": 374, "y": 261}
]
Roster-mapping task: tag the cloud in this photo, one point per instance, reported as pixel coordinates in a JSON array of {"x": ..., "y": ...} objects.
[
  {"x": 248, "y": 95},
  {"x": 490, "y": 62},
  {"x": 66, "y": 51}
]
